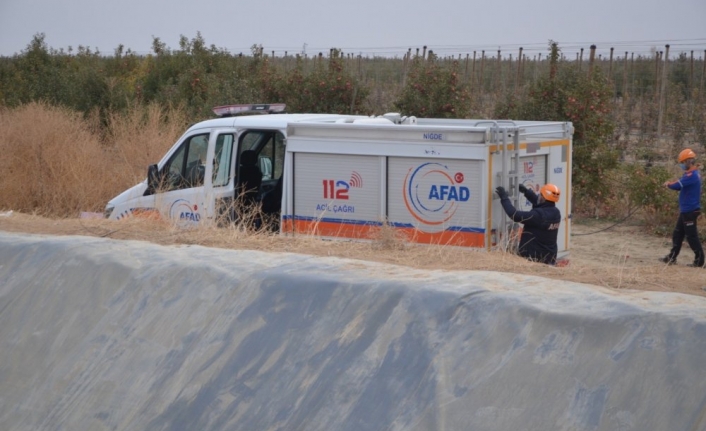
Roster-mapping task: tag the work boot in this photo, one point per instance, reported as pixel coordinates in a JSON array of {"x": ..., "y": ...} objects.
[
  {"x": 668, "y": 260},
  {"x": 695, "y": 265}
]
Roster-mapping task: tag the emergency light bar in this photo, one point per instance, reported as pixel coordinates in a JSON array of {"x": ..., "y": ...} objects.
[{"x": 245, "y": 109}]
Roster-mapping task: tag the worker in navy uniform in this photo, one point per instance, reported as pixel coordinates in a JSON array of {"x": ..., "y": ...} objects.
[
  {"x": 689, "y": 187},
  {"x": 541, "y": 223}
]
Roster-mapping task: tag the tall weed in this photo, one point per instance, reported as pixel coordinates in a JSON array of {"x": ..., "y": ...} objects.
[{"x": 54, "y": 162}]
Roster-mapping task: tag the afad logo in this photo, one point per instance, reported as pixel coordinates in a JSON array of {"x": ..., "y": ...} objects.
[
  {"x": 183, "y": 212},
  {"x": 338, "y": 189},
  {"x": 432, "y": 195}
]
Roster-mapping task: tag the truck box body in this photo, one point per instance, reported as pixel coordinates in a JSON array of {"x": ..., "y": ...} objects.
[{"x": 432, "y": 181}]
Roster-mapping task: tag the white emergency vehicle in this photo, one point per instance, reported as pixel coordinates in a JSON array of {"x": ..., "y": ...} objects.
[{"x": 347, "y": 176}]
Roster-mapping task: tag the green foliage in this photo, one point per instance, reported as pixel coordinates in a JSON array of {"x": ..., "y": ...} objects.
[
  {"x": 434, "y": 90},
  {"x": 328, "y": 88},
  {"x": 643, "y": 187},
  {"x": 679, "y": 73},
  {"x": 568, "y": 94},
  {"x": 31, "y": 76},
  {"x": 195, "y": 77}
]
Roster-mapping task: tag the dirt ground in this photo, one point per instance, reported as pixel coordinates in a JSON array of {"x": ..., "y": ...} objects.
[{"x": 616, "y": 257}]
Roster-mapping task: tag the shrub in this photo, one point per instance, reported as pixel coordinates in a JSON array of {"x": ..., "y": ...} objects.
[
  {"x": 567, "y": 94},
  {"x": 434, "y": 90},
  {"x": 52, "y": 163},
  {"x": 329, "y": 88},
  {"x": 55, "y": 163}
]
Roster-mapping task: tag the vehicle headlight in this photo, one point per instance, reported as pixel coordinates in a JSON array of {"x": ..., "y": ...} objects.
[{"x": 108, "y": 211}]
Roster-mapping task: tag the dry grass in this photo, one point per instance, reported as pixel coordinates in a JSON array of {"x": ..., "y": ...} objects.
[
  {"x": 142, "y": 137},
  {"x": 55, "y": 163},
  {"x": 618, "y": 265},
  {"x": 50, "y": 160}
]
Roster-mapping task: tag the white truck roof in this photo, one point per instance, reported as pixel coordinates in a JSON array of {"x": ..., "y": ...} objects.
[{"x": 271, "y": 121}]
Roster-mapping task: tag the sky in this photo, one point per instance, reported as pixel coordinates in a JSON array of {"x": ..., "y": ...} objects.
[{"x": 367, "y": 27}]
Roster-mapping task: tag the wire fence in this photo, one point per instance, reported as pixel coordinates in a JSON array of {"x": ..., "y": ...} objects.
[{"x": 655, "y": 93}]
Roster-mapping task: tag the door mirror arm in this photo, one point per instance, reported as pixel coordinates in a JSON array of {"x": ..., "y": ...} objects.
[{"x": 153, "y": 179}]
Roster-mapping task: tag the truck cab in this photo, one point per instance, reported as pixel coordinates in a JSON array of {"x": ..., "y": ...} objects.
[{"x": 214, "y": 163}]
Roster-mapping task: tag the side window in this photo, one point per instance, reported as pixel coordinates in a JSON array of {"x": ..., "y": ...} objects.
[
  {"x": 271, "y": 156},
  {"x": 265, "y": 159},
  {"x": 278, "y": 160},
  {"x": 185, "y": 169},
  {"x": 221, "y": 160},
  {"x": 250, "y": 141},
  {"x": 173, "y": 170}
]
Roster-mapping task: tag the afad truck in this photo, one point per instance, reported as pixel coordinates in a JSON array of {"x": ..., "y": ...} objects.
[{"x": 348, "y": 176}]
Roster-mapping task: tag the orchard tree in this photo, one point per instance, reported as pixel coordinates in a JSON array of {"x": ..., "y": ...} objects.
[
  {"x": 328, "y": 88},
  {"x": 568, "y": 94},
  {"x": 434, "y": 90}
]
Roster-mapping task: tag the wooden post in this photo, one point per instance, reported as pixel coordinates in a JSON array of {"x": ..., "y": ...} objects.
[
  {"x": 691, "y": 87},
  {"x": 625, "y": 77},
  {"x": 536, "y": 62},
  {"x": 522, "y": 69},
  {"x": 498, "y": 73},
  {"x": 580, "y": 59},
  {"x": 405, "y": 66},
  {"x": 656, "y": 89},
  {"x": 509, "y": 68},
  {"x": 465, "y": 71},
  {"x": 591, "y": 59},
  {"x": 482, "y": 67},
  {"x": 610, "y": 66},
  {"x": 663, "y": 93},
  {"x": 473, "y": 69},
  {"x": 703, "y": 72},
  {"x": 691, "y": 74},
  {"x": 519, "y": 68},
  {"x": 424, "y": 52},
  {"x": 632, "y": 68},
  {"x": 553, "y": 60},
  {"x": 480, "y": 78}
]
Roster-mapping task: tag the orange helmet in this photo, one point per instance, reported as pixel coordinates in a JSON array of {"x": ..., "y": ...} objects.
[
  {"x": 550, "y": 192},
  {"x": 686, "y": 155}
]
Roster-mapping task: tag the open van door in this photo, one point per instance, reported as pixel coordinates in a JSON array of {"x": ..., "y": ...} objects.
[
  {"x": 186, "y": 182},
  {"x": 220, "y": 184}
]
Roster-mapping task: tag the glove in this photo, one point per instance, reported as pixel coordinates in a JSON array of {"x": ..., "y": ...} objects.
[
  {"x": 523, "y": 189},
  {"x": 501, "y": 192}
]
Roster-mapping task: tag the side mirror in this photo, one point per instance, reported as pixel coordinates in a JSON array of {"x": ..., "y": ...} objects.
[{"x": 152, "y": 178}]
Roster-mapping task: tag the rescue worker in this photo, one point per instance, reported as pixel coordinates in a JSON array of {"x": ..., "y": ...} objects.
[
  {"x": 541, "y": 223},
  {"x": 689, "y": 187}
]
